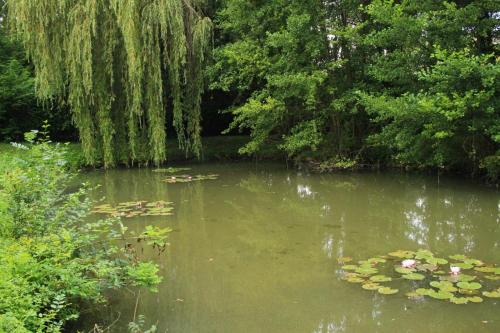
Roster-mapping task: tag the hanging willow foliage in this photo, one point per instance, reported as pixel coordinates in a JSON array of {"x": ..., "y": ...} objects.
[{"x": 119, "y": 64}]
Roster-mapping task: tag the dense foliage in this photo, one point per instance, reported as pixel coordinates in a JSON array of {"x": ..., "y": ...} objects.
[
  {"x": 19, "y": 109},
  {"x": 51, "y": 258},
  {"x": 345, "y": 82},
  {"x": 410, "y": 83},
  {"x": 115, "y": 63}
]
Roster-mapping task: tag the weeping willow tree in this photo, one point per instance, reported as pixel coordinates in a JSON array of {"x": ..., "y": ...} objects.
[{"x": 120, "y": 65}]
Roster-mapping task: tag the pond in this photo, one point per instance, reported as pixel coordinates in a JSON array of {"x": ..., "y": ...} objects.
[{"x": 256, "y": 249}]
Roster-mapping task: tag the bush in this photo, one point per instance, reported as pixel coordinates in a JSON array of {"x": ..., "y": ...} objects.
[{"x": 51, "y": 259}]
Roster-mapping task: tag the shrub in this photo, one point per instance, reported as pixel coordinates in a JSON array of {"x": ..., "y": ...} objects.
[{"x": 51, "y": 258}]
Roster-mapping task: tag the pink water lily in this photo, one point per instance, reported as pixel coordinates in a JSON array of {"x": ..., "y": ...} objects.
[
  {"x": 455, "y": 270},
  {"x": 408, "y": 263}
]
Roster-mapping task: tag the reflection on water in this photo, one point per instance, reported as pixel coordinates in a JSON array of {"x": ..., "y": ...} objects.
[{"x": 255, "y": 250}]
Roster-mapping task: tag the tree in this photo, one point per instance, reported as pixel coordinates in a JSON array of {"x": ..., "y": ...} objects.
[
  {"x": 411, "y": 83},
  {"x": 119, "y": 64}
]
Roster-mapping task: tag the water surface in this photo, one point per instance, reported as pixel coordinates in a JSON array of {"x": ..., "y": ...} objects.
[{"x": 256, "y": 250}]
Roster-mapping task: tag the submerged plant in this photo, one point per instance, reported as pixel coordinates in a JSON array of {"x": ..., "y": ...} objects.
[{"x": 428, "y": 274}]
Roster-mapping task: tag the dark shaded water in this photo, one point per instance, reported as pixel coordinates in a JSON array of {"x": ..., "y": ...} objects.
[{"x": 256, "y": 250}]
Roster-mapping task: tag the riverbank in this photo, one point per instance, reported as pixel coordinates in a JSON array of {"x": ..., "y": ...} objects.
[
  {"x": 226, "y": 148},
  {"x": 215, "y": 148}
]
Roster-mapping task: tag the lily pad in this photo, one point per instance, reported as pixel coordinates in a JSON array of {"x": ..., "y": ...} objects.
[
  {"x": 414, "y": 276},
  {"x": 343, "y": 260},
  {"x": 404, "y": 270},
  {"x": 463, "y": 265},
  {"x": 468, "y": 291},
  {"x": 474, "y": 262},
  {"x": 475, "y": 299},
  {"x": 459, "y": 300},
  {"x": 349, "y": 267},
  {"x": 440, "y": 294},
  {"x": 427, "y": 267},
  {"x": 413, "y": 295},
  {"x": 188, "y": 178},
  {"x": 423, "y": 291},
  {"x": 366, "y": 270},
  {"x": 355, "y": 279},
  {"x": 444, "y": 285},
  {"x": 459, "y": 257},
  {"x": 469, "y": 285},
  {"x": 387, "y": 291},
  {"x": 485, "y": 269},
  {"x": 376, "y": 260},
  {"x": 380, "y": 278},
  {"x": 371, "y": 286},
  {"x": 171, "y": 170},
  {"x": 436, "y": 261},
  {"x": 423, "y": 254},
  {"x": 466, "y": 278},
  {"x": 402, "y": 254},
  {"x": 135, "y": 208},
  {"x": 492, "y": 294},
  {"x": 449, "y": 284}
]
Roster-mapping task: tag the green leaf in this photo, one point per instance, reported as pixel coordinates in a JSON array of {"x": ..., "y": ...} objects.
[
  {"x": 492, "y": 294},
  {"x": 459, "y": 257},
  {"x": 355, "y": 279},
  {"x": 371, "y": 286},
  {"x": 402, "y": 254},
  {"x": 427, "y": 267},
  {"x": 387, "y": 291},
  {"x": 413, "y": 295},
  {"x": 436, "y": 261},
  {"x": 467, "y": 291},
  {"x": 423, "y": 291},
  {"x": 444, "y": 285},
  {"x": 423, "y": 254},
  {"x": 465, "y": 278},
  {"x": 485, "y": 269},
  {"x": 475, "y": 299},
  {"x": 469, "y": 285},
  {"x": 343, "y": 260},
  {"x": 349, "y": 267},
  {"x": 440, "y": 294},
  {"x": 463, "y": 265},
  {"x": 414, "y": 276},
  {"x": 459, "y": 300},
  {"x": 474, "y": 262},
  {"x": 376, "y": 260}
]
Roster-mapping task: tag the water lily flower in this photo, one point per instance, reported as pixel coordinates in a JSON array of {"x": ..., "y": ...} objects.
[
  {"x": 455, "y": 270},
  {"x": 173, "y": 178},
  {"x": 408, "y": 263}
]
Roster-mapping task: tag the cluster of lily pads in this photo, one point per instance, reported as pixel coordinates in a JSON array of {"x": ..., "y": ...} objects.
[
  {"x": 189, "y": 178},
  {"x": 457, "y": 279},
  {"x": 171, "y": 170},
  {"x": 135, "y": 208}
]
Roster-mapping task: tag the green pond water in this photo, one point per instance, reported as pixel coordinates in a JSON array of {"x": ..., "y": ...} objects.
[{"x": 256, "y": 250}]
